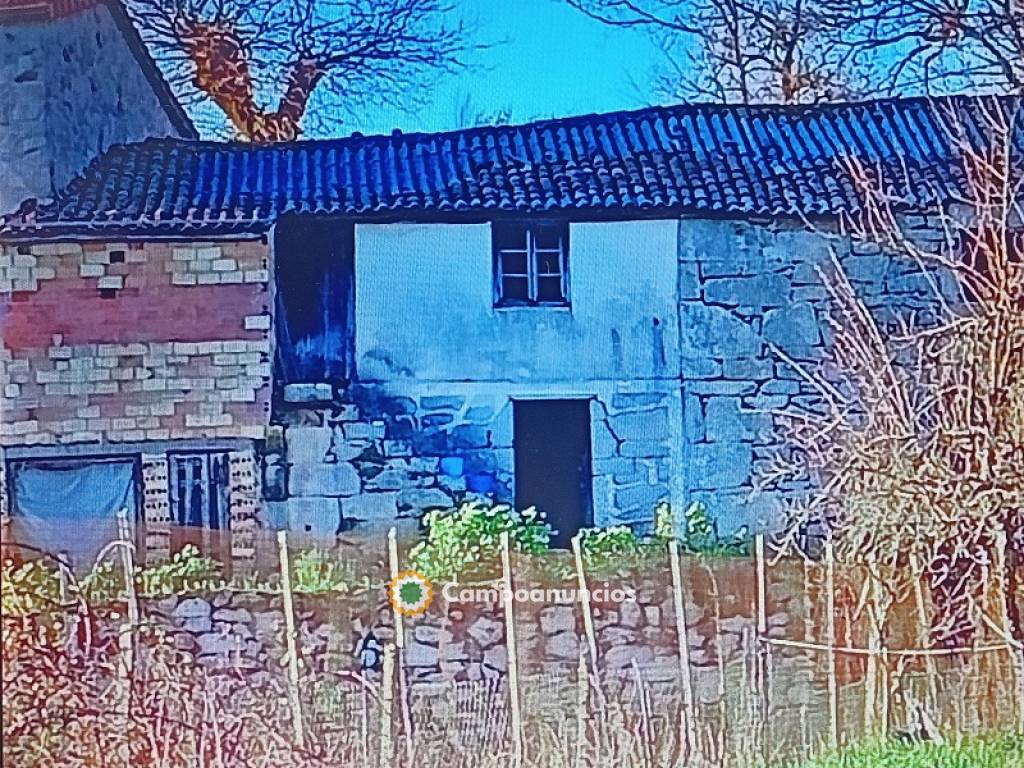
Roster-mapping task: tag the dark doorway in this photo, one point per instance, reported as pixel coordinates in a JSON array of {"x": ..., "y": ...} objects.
[
  {"x": 552, "y": 451},
  {"x": 315, "y": 305}
]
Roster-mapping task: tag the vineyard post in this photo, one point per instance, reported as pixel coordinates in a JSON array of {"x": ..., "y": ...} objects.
[
  {"x": 513, "y": 660},
  {"x": 682, "y": 639},
  {"x": 295, "y": 702}
]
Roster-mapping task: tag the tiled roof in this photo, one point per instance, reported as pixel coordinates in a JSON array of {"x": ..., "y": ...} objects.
[{"x": 758, "y": 160}]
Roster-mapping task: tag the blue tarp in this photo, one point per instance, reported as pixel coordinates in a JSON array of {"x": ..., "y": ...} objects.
[{"x": 71, "y": 506}]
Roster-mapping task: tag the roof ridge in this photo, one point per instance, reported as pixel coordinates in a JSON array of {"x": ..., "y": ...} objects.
[{"x": 680, "y": 107}]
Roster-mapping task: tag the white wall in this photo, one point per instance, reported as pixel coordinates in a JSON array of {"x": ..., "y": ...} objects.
[{"x": 425, "y": 307}]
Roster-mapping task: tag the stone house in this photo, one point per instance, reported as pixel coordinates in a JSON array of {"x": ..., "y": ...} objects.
[
  {"x": 75, "y": 77},
  {"x": 582, "y": 314}
]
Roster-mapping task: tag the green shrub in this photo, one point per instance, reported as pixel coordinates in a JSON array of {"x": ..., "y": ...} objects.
[
  {"x": 699, "y": 535},
  {"x": 188, "y": 570},
  {"x": 465, "y": 541},
  {"x": 28, "y": 588}
]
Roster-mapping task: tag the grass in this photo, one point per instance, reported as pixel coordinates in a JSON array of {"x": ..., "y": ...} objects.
[{"x": 1005, "y": 751}]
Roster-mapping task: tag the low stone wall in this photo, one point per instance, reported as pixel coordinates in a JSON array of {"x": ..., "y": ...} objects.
[{"x": 455, "y": 641}]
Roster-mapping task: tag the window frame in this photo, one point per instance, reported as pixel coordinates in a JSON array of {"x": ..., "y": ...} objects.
[{"x": 532, "y": 253}]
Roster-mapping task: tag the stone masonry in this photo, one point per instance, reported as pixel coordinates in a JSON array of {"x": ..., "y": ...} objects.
[
  {"x": 71, "y": 87},
  {"x": 373, "y": 458},
  {"x": 752, "y": 308}
]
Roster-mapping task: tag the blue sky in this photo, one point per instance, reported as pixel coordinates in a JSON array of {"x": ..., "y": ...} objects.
[{"x": 556, "y": 61}]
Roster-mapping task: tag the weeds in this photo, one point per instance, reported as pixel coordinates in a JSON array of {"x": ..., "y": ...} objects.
[{"x": 995, "y": 752}]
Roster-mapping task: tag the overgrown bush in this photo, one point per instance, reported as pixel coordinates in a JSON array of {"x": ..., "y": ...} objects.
[
  {"x": 912, "y": 446},
  {"x": 994, "y": 752},
  {"x": 620, "y": 546},
  {"x": 465, "y": 541},
  {"x": 28, "y": 587}
]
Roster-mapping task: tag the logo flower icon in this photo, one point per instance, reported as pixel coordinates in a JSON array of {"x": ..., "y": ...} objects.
[{"x": 410, "y": 593}]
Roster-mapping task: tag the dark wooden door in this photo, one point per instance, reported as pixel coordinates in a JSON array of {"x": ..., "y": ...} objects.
[{"x": 553, "y": 463}]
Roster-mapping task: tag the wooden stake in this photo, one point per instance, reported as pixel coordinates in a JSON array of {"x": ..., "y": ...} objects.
[
  {"x": 830, "y": 635},
  {"x": 762, "y": 589},
  {"x": 683, "y": 645},
  {"x": 403, "y": 683},
  {"x": 760, "y": 646},
  {"x": 393, "y": 563},
  {"x": 513, "y": 660},
  {"x": 582, "y": 685},
  {"x": 588, "y": 616},
  {"x": 295, "y": 702},
  {"x": 126, "y": 639},
  {"x": 387, "y": 697}
]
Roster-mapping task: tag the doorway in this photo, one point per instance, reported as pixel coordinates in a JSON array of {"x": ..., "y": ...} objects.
[{"x": 551, "y": 439}]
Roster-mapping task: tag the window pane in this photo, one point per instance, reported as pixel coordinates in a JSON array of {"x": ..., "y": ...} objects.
[
  {"x": 508, "y": 236},
  {"x": 549, "y": 263},
  {"x": 514, "y": 289},
  {"x": 513, "y": 263},
  {"x": 550, "y": 289},
  {"x": 549, "y": 236}
]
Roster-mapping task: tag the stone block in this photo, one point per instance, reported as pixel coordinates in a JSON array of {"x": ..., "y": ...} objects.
[
  {"x": 469, "y": 436},
  {"x": 630, "y": 400},
  {"x": 439, "y": 402},
  {"x": 726, "y": 421},
  {"x": 715, "y": 332},
  {"x": 766, "y": 290},
  {"x": 372, "y": 511},
  {"x": 452, "y": 466},
  {"x": 390, "y": 479},
  {"x": 563, "y": 646},
  {"x": 110, "y": 282},
  {"x": 641, "y": 498},
  {"x": 720, "y": 465},
  {"x": 308, "y": 445},
  {"x": 623, "y": 656},
  {"x": 793, "y": 327},
  {"x": 194, "y": 614},
  {"x": 319, "y": 517},
  {"x": 641, "y": 424},
  {"x": 420, "y": 500},
  {"x": 306, "y": 478},
  {"x": 603, "y": 444},
  {"x": 487, "y": 631},
  {"x": 557, "y": 618}
]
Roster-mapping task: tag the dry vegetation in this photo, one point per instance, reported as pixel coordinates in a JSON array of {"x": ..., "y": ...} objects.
[{"x": 917, "y": 445}]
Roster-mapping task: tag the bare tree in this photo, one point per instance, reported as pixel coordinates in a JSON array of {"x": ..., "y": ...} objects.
[
  {"x": 337, "y": 55},
  {"x": 788, "y": 51},
  {"x": 935, "y": 45},
  {"x": 915, "y": 451},
  {"x": 743, "y": 51}
]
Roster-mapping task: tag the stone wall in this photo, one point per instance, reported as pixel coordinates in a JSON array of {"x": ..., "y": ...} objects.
[
  {"x": 749, "y": 292},
  {"x": 70, "y": 87},
  {"x": 385, "y": 454},
  {"x": 114, "y": 342},
  {"x": 457, "y": 641}
]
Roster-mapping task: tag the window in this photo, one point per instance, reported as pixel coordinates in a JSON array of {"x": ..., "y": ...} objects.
[
  {"x": 199, "y": 486},
  {"x": 531, "y": 263}
]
